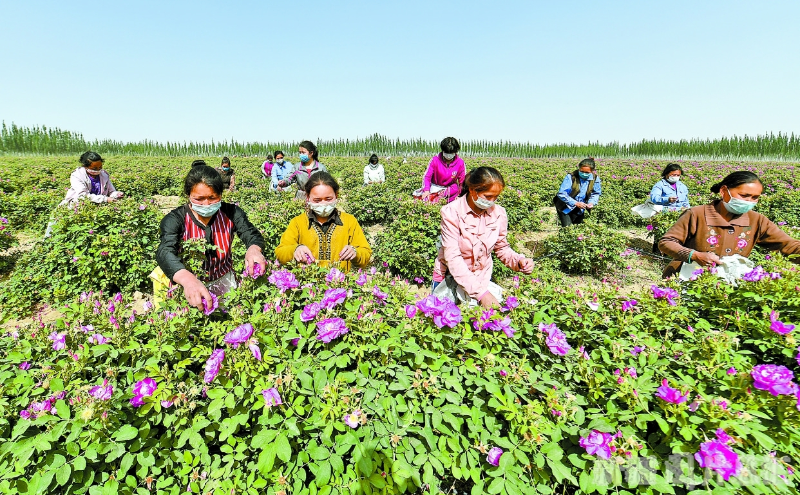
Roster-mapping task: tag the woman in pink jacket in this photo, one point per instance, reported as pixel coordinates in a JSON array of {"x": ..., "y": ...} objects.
[
  {"x": 474, "y": 227},
  {"x": 445, "y": 174}
]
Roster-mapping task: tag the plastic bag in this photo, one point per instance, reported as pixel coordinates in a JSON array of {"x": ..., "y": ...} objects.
[
  {"x": 647, "y": 209},
  {"x": 730, "y": 268},
  {"x": 450, "y": 290}
]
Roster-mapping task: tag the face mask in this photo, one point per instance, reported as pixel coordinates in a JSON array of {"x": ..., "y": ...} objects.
[
  {"x": 448, "y": 156},
  {"x": 483, "y": 203},
  {"x": 584, "y": 175},
  {"x": 206, "y": 210},
  {"x": 279, "y": 162},
  {"x": 303, "y": 157},
  {"x": 373, "y": 165},
  {"x": 738, "y": 206},
  {"x": 673, "y": 179},
  {"x": 226, "y": 168},
  {"x": 93, "y": 172},
  {"x": 323, "y": 209}
]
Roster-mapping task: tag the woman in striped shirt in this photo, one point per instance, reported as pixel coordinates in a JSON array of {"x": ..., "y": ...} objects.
[{"x": 206, "y": 216}]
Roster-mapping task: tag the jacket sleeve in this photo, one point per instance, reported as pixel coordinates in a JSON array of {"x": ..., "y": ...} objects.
[
  {"x": 673, "y": 244},
  {"x": 502, "y": 248},
  {"x": 290, "y": 239},
  {"x": 454, "y": 189},
  {"x": 381, "y": 174},
  {"x": 171, "y": 231},
  {"x": 775, "y": 239},
  {"x": 359, "y": 241},
  {"x": 426, "y": 179},
  {"x": 111, "y": 187},
  {"x": 366, "y": 175},
  {"x": 597, "y": 190},
  {"x": 564, "y": 190},
  {"x": 656, "y": 196},
  {"x": 247, "y": 232},
  {"x": 457, "y": 267},
  {"x": 685, "y": 190}
]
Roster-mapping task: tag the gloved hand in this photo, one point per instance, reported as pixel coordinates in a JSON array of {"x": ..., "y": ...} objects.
[{"x": 116, "y": 194}]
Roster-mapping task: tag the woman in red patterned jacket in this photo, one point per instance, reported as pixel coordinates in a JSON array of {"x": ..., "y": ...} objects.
[{"x": 206, "y": 216}]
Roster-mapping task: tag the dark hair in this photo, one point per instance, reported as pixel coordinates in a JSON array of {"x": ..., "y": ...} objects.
[
  {"x": 450, "y": 145},
  {"x": 270, "y": 158},
  {"x": 587, "y": 162},
  {"x": 310, "y": 147},
  {"x": 736, "y": 179},
  {"x": 481, "y": 179},
  {"x": 373, "y": 159},
  {"x": 671, "y": 167},
  {"x": 278, "y": 152},
  {"x": 89, "y": 157},
  {"x": 321, "y": 178},
  {"x": 225, "y": 160},
  {"x": 204, "y": 174},
  {"x": 197, "y": 163}
]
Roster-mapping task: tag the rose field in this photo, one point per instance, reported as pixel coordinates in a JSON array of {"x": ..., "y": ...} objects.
[{"x": 595, "y": 376}]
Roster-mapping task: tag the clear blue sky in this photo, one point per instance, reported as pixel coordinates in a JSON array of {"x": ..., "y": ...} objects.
[{"x": 556, "y": 71}]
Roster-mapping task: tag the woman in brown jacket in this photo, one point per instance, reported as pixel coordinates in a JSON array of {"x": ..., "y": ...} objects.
[{"x": 724, "y": 227}]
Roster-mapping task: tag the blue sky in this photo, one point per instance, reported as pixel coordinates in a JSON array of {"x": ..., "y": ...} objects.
[{"x": 544, "y": 72}]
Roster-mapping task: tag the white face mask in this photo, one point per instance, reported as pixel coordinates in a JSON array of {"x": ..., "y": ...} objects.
[
  {"x": 93, "y": 172},
  {"x": 448, "y": 156},
  {"x": 323, "y": 209},
  {"x": 483, "y": 203},
  {"x": 279, "y": 161},
  {"x": 673, "y": 179}
]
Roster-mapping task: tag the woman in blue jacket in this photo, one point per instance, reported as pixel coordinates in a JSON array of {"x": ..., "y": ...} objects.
[
  {"x": 670, "y": 192},
  {"x": 579, "y": 192}
]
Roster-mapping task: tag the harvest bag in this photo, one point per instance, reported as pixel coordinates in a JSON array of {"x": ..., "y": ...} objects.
[{"x": 647, "y": 209}]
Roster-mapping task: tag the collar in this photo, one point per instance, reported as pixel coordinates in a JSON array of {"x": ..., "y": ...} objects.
[
  {"x": 333, "y": 218},
  {"x": 464, "y": 209},
  {"x": 714, "y": 217}
]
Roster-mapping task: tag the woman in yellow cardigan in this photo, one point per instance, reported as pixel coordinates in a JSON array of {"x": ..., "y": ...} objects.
[{"x": 324, "y": 234}]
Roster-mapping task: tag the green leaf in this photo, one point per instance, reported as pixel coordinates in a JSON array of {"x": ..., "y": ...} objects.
[
  {"x": 496, "y": 486},
  {"x": 283, "y": 448},
  {"x": 63, "y": 473},
  {"x": 127, "y": 432}
]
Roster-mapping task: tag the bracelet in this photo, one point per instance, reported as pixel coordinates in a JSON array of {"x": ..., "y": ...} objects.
[{"x": 690, "y": 256}]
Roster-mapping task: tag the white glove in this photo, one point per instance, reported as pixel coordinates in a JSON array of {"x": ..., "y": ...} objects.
[{"x": 116, "y": 194}]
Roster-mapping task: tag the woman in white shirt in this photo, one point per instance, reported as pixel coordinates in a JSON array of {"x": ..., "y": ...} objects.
[
  {"x": 373, "y": 172},
  {"x": 91, "y": 181}
]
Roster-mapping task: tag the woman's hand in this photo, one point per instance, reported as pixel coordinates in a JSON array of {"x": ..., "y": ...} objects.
[
  {"x": 193, "y": 289},
  {"x": 426, "y": 194},
  {"x": 673, "y": 199},
  {"x": 705, "y": 259},
  {"x": 348, "y": 253},
  {"x": 581, "y": 205},
  {"x": 303, "y": 255},
  {"x": 488, "y": 301},
  {"x": 526, "y": 266},
  {"x": 253, "y": 256}
]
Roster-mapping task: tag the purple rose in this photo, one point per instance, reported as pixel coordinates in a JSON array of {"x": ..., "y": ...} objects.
[
  {"x": 597, "y": 443},
  {"x": 636, "y": 350},
  {"x": 511, "y": 303},
  {"x": 494, "y": 455},
  {"x": 210, "y": 306},
  {"x": 102, "y": 392},
  {"x": 213, "y": 365},
  {"x": 781, "y": 327},
  {"x": 271, "y": 397},
  {"x": 239, "y": 335},
  {"x": 335, "y": 275},
  {"x": 330, "y": 329},
  {"x": 669, "y": 394},
  {"x": 145, "y": 387},
  {"x": 362, "y": 280},
  {"x": 98, "y": 339},
  {"x": 252, "y": 344},
  {"x": 775, "y": 379},
  {"x": 353, "y": 419},
  {"x": 379, "y": 295},
  {"x": 722, "y": 436},
  {"x": 310, "y": 312},
  {"x": 665, "y": 293},
  {"x": 556, "y": 340},
  {"x": 333, "y": 297},
  {"x": 295, "y": 341},
  {"x": 59, "y": 340},
  {"x": 718, "y": 457},
  {"x": 283, "y": 280},
  {"x": 628, "y": 305},
  {"x": 731, "y": 371},
  {"x": 411, "y": 311},
  {"x": 444, "y": 312},
  {"x": 25, "y": 366}
]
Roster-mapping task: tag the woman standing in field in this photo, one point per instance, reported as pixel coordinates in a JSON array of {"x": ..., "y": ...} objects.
[
  {"x": 91, "y": 181},
  {"x": 670, "y": 192},
  {"x": 324, "y": 234},
  {"x": 373, "y": 172},
  {"x": 266, "y": 167},
  {"x": 580, "y": 191},
  {"x": 474, "y": 227},
  {"x": 309, "y": 165},
  {"x": 227, "y": 175},
  {"x": 444, "y": 175},
  {"x": 281, "y": 170},
  {"x": 205, "y": 216},
  {"x": 724, "y": 227}
]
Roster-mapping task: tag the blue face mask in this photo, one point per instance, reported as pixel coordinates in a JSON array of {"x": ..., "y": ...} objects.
[
  {"x": 207, "y": 211},
  {"x": 304, "y": 158},
  {"x": 584, "y": 175},
  {"x": 226, "y": 168},
  {"x": 738, "y": 206}
]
